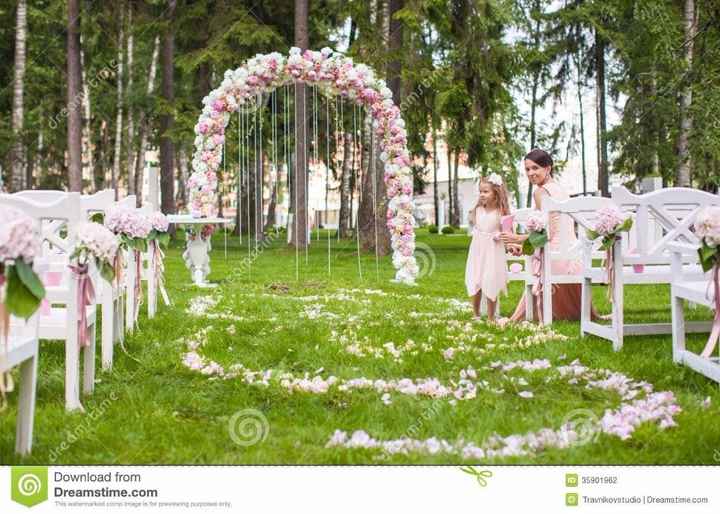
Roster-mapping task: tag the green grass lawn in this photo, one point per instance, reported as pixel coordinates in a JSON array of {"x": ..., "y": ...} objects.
[{"x": 267, "y": 331}]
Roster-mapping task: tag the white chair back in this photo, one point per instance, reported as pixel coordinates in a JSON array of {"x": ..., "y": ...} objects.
[{"x": 661, "y": 217}]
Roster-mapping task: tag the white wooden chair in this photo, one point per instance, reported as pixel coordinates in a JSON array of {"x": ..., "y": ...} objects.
[
  {"x": 698, "y": 291},
  {"x": 148, "y": 273},
  {"x": 22, "y": 350},
  {"x": 643, "y": 257},
  {"x": 581, "y": 212},
  {"x": 61, "y": 323},
  {"x": 109, "y": 296},
  {"x": 524, "y": 274},
  {"x": 129, "y": 202}
]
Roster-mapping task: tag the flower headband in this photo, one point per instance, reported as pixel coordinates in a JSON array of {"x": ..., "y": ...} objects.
[{"x": 495, "y": 179}]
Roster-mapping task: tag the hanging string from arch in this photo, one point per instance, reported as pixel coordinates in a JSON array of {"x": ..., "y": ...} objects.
[
  {"x": 371, "y": 166},
  {"x": 306, "y": 182},
  {"x": 238, "y": 199},
  {"x": 339, "y": 103},
  {"x": 359, "y": 183},
  {"x": 275, "y": 155},
  {"x": 327, "y": 173},
  {"x": 295, "y": 191},
  {"x": 261, "y": 178},
  {"x": 246, "y": 116}
]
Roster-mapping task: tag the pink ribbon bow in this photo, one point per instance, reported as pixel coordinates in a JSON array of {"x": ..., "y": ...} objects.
[
  {"x": 85, "y": 298},
  {"x": 538, "y": 271},
  {"x": 159, "y": 269},
  {"x": 715, "y": 332}
]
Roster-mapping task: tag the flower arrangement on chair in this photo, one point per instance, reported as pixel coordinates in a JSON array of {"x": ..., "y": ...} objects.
[
  {"x": 21, "y": 290},
  {"x": 611, "y": 222},
  {"x": 707, "y": 228},
  {"x": 159, "y": 239},
  {"x": 134, "y": 228},
  {"x": 534, "y": 245}
]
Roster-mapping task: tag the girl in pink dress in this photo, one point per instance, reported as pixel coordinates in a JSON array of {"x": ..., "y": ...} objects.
[{"x": 486, "y": 268}]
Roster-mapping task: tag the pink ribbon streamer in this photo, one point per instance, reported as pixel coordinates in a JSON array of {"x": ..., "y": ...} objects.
[
  {"x": 538, "y": 271},
  {"x": 138, "y": 283},
  {"x": 4, "y": 315},
  {"x": 609, "y": 267},
  {"x": 715, "y": 332},
  {"x": 85, "y": 298}
]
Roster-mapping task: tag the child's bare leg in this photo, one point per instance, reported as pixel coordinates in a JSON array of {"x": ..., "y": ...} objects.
[
  {"x": 476, "y": 299},
  {"x": 491, "y": 309}
]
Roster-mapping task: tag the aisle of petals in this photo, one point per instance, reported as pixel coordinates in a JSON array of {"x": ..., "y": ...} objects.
[{"x": 638, "y": 403}]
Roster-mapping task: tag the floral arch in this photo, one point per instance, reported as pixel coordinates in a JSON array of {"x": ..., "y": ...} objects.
[{"x": 333, "y": 74}]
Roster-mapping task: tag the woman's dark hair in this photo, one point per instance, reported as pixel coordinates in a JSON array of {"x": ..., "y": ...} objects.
[{"x": 540, "y": 157}]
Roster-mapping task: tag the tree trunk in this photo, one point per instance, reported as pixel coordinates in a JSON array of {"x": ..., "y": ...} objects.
[
  {"x": 144, "y": 127},
  {"x": 436, "y": 193},
  {"x": 119, "y": 114},
  {"x": 456, "y": 200},
  {"x": 270, "y": 221},
  {"x": 17, "y": 154},
  {"x": 130, "y": 116},
  {"x": 682, "y": 178},
  {"x": 345, "y": 203},
  {"x": 167, "y": 120},
  {"x": 582, "y": 126},
  {"x": 87, "y": 134},
  {"x": 181, "y": 164},
  {"x": 74, "y": 80},
  {"x": 533, "y": 99},
  {"x": 603, "y": 172},
  {"x": 300, "y": 225},
  {"x": 449, "y": 184}
]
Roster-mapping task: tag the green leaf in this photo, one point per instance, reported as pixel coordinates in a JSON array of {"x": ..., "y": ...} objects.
[
  {"x": 164, "y": 239},
  {"x": 98, "y": 217},
  {"x": 527, "y": 247},
  {"x": 107, "y": 271},
  {"x": 538, "y": 239},
  {"x": 626, "y": 225},
  {"x": 20, "y": 302},
  {"x": 708, "y": 257},
  {"x": 592, "y": 235},
  {"x": 30, "y": 279}
]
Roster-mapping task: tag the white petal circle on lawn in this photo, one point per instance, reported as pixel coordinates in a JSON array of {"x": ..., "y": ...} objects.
[{"x": 332, "y": 75}]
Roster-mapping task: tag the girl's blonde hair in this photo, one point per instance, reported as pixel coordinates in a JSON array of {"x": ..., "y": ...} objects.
[{"x": 501, "y": 199}]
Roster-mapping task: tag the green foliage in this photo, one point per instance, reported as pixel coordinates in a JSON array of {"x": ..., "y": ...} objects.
[
  {"x": 432, "y": 229},
  {"x": 534, "y": 241},
  {"x": 448, "y": 229},
  {"x": 24, "y": 289}
]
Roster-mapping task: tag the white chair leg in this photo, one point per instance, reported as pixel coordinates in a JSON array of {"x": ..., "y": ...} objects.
[
  {"x": 130, "y": 293},
  {"x": 72, "y": 373},
  {"x": 547, "y": 314},
  {"x": 89, "y": 362},
  {"x": 678, "y": 326},
  {"x": 529, "y": 303},
  {"x": 107, "y": 330},
  {"x": 26, "y": 405},
  {"x": 152, "y": 289},
  {"x": 585, "y": 304},
  {"x": 618, "y": 308}
]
